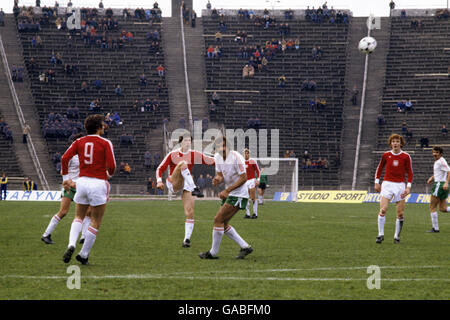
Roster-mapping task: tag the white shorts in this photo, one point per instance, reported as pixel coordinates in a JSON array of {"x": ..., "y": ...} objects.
[
  {"x": 92, "y": 191},
  {"x": 392, "y": 190},
  {"x": 251, "y": 183},
  {"x": 170, "y": 186}
]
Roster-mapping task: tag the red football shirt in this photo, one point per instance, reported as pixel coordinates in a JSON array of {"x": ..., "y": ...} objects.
[
  {"x": 252, "y": 169},
  {"x": 397, "y": 166},
  {"x": 176, "y": 156},
  {"x": 96, "y": 156}
]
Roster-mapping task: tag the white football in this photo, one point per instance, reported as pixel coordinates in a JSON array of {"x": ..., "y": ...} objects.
[{"x": 367, "y": 45}]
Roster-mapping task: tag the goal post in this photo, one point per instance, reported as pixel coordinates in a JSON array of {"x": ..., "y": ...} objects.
[{"x": 282, "y": 175}]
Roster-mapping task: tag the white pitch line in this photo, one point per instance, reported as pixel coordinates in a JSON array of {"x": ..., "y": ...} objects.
[
  {"x": 312, "y": 269},
  {"x": 158, "y": 276},
  {"x": 190, "y": 276}
]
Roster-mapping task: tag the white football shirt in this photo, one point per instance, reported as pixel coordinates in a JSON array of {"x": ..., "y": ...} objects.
[
  {"x": 74, "y": 169},
  {"x": 440, "y": 170},
  {"x": 232, "y": 168}
]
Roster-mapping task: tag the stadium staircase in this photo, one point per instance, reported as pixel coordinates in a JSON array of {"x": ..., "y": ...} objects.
[
  {"x": 14, "y": 55},
  {"x": 375, "y": 80}
]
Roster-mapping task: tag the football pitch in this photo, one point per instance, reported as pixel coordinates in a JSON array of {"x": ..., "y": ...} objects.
[{"x": 301, "y": 251}]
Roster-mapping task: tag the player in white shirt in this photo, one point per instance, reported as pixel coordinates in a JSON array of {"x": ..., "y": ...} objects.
[
  {"x": 439, "y": 192},
  {"x": 67, "y": 194},
  {"x": 230, "y": 168}
]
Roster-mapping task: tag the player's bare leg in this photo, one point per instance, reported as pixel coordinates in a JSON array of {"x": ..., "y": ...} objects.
[
  {"x": 75, "y": 229},
  {"x": 399, "y": 221},
  {"x": 177, "y": 178},
  {"x": 97, "y": 214},
  {"x": 434, "y": 203},
  {"x": 384, "y": 203},
  {"x": 188, "y": 205},
  {"x": 63, "y": 210}
]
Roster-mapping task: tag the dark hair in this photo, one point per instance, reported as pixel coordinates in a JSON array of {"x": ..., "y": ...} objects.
[
  {"x": 184, "y": 135},
  {"x": 93, "y": 123},
  {"x": 438, "y": 149}
]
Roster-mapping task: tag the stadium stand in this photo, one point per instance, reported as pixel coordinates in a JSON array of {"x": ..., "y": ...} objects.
[
  {"x": 417, "y": 70},
  {"x": 286, "y": 108},
  {"x": 112, "y": 66},
  {"x": 8, "y": 159}
]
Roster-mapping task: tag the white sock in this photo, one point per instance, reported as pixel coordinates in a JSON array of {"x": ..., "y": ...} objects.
[
  {"x": 255, "y": 207},
  {"x": 381, "y": 221},
  {"x": 398, "y": 228},
  {"x": 247, "y": 209},
  {"x": 434, "y": 220},
  {"x": 231, "y": 233},
  {"x": 188, "y": 179},
  {"x": 188, "y": 228},
  {"x": 260, "y": 199},
  {"x": 86, "y": 223},
  {"x": 52, "y": 225},
  {"x": 217, "y": 238},
  {"x": 75, "y": 230},
  {"x": 448, "y": 209},
  {"x": 91, "y": 235}
]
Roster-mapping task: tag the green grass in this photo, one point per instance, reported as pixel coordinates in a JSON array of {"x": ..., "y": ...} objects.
[{"x": 302, "y": 251}]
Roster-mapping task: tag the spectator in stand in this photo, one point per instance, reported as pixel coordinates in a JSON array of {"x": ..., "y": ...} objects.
[
  {"x": 98, "y": 84},
  {"x": 100, "y": 5},
  {"x": 127, "y": 168},
  {"x": 116, "y": 119},
  {"x": 150, "y": 189},
  {"x": 210, "y": 52},
  {"x": 26, "y": 132},
  {"x": 118, "y": 90},
  {"x": 424, "y": 142},
  {"x": 84, "y": 87},
  {"x": 157, "y": 160},
  {"x": 400, "y": 106},
  {"x": 148, "y": 106},
  {"x": 444, "y": 131},
  {"x": 193, "y": 18},
  {"x": 127, "y": 139},
  {"x": 212, "y": 108},
  {"x": 217, "y": 52},
  {"x": 147, "y": 159},
  {"x": 409, "y": 135},
  {"x": 408, "y": 106},
  {"x": 215, "y": 98},
  {"x": 201, "y": 182},
  {"x": 282, "y": 81},
  {"x": 251, "y": 123},
  {"x": 2, "y": 18},
  {"x": 142, "y": 80},
  {"x": 355, "y": 93},
  {"x": 404, "y": 127},
  {"x": 208, "y": 186},
  {"x": 403, "y": 14},
  {"x": 160, "y": 70},
  {"x": 380, "y": 119}
]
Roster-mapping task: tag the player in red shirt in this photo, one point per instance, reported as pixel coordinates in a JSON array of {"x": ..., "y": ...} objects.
[
  {"x": 398, "y": 164},
  {"x": 253, "y": 173},
  {"x": 97, "y": 164},
  {"x": 180, "y": 163}
]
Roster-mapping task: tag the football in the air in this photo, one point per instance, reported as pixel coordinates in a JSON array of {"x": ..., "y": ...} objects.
[{"x": 367, "y": 45}]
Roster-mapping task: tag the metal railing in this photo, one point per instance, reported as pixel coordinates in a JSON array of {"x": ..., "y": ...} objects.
[{"x": 30, "y": 144}]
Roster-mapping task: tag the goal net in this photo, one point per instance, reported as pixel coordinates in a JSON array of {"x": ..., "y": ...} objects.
[{"x": 282, "y": 175}]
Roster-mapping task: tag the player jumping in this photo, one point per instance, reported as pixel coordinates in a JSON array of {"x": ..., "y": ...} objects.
[
  {"x": 67, "y": 194},
  {"x": 97, "y": 164},
  {"x": 398, "y": 163},
  {"x": 253, "y": 173},
  {"x": 439, "y": 192},
  {"x": 229, "y": 169},
  {"x": 180, "y": 163}
]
